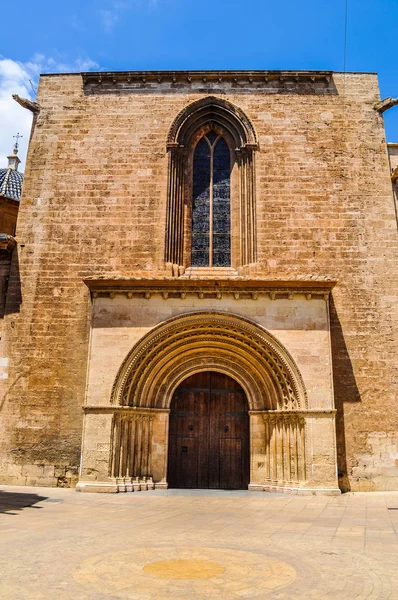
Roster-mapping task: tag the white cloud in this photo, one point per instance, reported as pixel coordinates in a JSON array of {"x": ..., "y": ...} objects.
[
  {"x": 110, "y": 16},
  {"x": 109, "y": 19},
  {"x": 121, "y": 5},
  {"x": 41, "y": 64},
  {"x": 22, "y": 78},
  {"x": 14, "y": 79}
]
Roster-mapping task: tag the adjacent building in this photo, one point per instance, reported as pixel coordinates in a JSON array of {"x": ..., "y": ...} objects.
[{"x": 10, "y": 194}]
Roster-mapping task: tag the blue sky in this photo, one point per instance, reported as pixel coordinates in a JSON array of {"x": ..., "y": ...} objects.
[{"x": 188, "y": 34}]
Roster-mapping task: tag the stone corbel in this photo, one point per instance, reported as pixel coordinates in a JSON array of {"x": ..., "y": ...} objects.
[
  {"x": 385, "y": 104},
  {"x": 34, "y": 107}
]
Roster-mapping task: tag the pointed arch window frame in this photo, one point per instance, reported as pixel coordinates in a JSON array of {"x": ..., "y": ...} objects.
[{"x": 229, "y": 119}]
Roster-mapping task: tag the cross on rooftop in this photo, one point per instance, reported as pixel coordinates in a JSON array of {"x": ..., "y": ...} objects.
[{"x": 17, "y": 138}]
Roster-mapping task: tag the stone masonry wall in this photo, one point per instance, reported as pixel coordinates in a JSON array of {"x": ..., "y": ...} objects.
[{"x": 94, "y": 202}]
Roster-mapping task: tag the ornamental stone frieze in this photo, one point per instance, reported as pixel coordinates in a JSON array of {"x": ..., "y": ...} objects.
[
  {"x": 304, "y": 82},
  {"x": 215, "y": 287}
]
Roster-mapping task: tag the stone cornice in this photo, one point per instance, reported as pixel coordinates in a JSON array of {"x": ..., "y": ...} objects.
[
  {"x": 239, "y": 287},
  {"x": 187, "y": 77}
]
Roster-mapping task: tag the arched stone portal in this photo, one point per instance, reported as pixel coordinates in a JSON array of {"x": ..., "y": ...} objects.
[{"x": 283, "y": 455}]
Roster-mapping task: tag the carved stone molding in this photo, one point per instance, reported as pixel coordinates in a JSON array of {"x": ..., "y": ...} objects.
[
  {"x": 200, "y": 341},
  {"x": 241, "y": 288},
  {"x": 214, "y": 110},
  {"x": 208, "y": 293},
  {"x": 263, "y": 78},
  {"x": 127, "y": 410},
  {"x": 306, "y": 412}
]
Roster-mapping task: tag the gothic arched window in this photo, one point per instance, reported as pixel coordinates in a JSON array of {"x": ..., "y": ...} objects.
[
  {"x": 211, "y": 206},
  {"x": 211, "y": 211}
]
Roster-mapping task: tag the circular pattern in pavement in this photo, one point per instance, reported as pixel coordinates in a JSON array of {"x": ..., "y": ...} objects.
[
  {"x": 184, "y": 569},
  {"x": 141, "y": 573}
]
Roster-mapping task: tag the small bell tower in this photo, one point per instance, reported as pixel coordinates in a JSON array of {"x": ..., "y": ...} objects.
[{"x": 13, "y": 159}]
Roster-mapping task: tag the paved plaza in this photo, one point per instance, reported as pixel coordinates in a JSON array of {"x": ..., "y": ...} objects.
[{"x": 178, "y": 545}]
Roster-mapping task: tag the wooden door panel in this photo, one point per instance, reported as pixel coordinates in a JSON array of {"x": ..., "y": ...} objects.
[
  {"x": 188, "y": 461},
  {"x": 209, "y": 434},
  {"x": 231, "y": 442},
  {"x": 214, "y": 434},
  {"x": 187, "y": 430},
  {"x": 231, "y": 463}
]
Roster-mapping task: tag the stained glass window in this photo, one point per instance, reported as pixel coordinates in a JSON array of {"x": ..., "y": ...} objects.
[{"x": 211, "y": 215}]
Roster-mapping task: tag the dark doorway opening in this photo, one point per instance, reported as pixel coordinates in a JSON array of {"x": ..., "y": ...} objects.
[{"x": 209, "y": 434}]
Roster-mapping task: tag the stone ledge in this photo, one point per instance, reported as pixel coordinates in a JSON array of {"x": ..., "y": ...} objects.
[
  {"x": 187, "y": 77},
  {"x": 302, "y": 491},
  {"x": 214, "y": 287},
  {"x": 99, "y": 488}
]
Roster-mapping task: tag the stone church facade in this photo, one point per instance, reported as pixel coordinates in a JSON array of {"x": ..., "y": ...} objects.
[{"x": 203, "y": 290}]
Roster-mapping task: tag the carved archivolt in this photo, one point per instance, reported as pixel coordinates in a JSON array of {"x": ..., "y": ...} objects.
[
  {"x": 201, "y": 341},
  {"x": 232, "y": 122}
]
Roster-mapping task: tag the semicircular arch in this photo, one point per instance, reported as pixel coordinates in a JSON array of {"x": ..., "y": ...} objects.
[{"x": 201, "y": 341}]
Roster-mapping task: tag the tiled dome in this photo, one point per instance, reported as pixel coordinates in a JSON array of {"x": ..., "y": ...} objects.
[{"x": 11, "y": 183}]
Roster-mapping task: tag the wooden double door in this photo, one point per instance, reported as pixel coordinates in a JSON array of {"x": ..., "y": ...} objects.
[{"x": 209, "y": 434}]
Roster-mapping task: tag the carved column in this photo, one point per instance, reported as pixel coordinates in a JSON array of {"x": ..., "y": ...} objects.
[
  {"x": 245, "y": 157},
  {"x": 131, "y": 451},
  {"x": 285, "y": 448},
  {"x": 174, "y": 242}
]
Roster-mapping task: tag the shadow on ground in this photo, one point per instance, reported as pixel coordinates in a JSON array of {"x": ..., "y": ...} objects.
[{"x": 12, "y": 502}]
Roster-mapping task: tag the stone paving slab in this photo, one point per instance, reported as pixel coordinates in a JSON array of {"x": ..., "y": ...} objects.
[{"x": 179, "y": 545}]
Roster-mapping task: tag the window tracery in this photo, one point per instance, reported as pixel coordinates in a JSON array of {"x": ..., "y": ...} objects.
[{"x": 211, "y": 219}]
